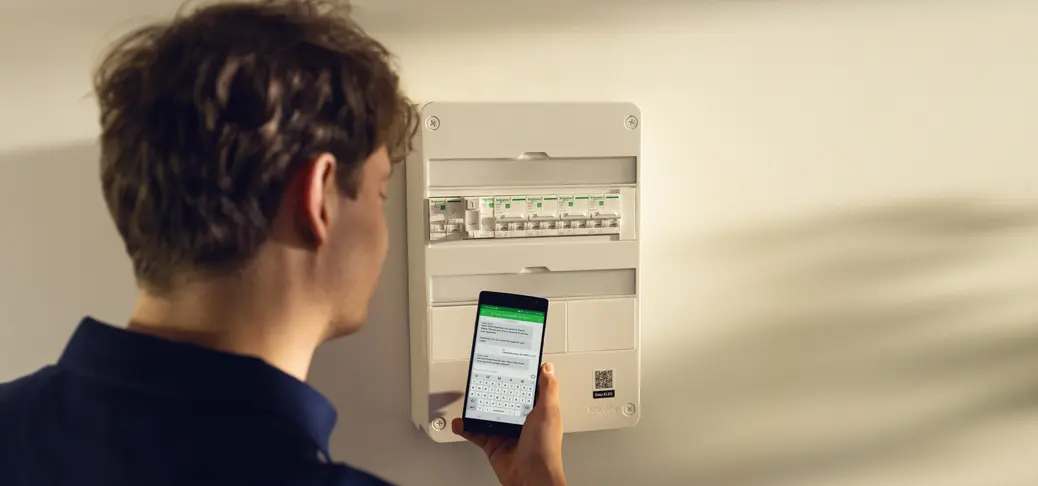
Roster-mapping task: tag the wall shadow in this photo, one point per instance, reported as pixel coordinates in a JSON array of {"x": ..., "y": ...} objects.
[
  {"x": 811, "y": 349},
  {"x": 457, "y": 16},
  {"x": 843, "y": 347},
  {"x": 60, "y": 256}
]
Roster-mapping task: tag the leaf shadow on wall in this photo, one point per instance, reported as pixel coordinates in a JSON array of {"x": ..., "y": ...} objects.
[{"x": 846, "y": 346}]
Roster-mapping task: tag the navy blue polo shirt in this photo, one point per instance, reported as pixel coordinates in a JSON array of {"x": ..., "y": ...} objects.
[{"x": 124, "y": 408}]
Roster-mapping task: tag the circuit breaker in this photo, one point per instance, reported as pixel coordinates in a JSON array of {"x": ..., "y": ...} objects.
[
  {"x": 529, "y": 198},
  {"x": 521, "y": 216}
]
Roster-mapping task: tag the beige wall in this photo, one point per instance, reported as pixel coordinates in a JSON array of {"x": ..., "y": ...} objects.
[{"x": 840, "y": 228}]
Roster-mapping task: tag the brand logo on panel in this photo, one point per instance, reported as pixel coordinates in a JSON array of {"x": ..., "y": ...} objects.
[{"x": 603, "y": 410}]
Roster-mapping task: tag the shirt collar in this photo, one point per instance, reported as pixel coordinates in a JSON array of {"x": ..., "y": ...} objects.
[{"x": 189, "y": 371}]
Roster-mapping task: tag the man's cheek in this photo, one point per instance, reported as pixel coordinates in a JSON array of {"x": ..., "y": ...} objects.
[{"x": 383, "y": 240}]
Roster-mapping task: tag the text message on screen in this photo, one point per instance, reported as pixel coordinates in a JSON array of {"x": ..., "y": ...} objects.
[
  {"x": 502, "y": 386},
  {"x": 508, "y": 362},
  {"x": 509, "y": 335}
]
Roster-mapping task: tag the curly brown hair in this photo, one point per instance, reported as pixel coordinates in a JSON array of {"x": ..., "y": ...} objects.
[{"x": 206, "y": 118}]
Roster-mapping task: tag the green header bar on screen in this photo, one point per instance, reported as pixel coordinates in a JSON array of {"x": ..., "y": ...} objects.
[{"x": 510, "y": 313}]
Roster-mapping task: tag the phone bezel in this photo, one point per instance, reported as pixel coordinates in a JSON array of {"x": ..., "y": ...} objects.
[{"x": 515, "y": 301}]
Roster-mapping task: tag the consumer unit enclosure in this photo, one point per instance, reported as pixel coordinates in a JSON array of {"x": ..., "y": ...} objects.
[{"x": 529, "y": 198}]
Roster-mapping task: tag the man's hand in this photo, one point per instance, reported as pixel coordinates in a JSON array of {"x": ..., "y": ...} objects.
[{"x": 535, "y": 459}]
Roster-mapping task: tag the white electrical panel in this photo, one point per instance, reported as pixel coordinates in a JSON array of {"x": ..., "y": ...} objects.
[{"x": 528, "y": 198}]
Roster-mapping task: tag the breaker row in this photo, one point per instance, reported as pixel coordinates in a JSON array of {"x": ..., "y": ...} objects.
[{"x": 455, "y": 218}]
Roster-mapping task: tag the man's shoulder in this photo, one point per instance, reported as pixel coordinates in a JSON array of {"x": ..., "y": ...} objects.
[
  {"x": 339, "y": 474},
  {"x": 344, "y": 475},
  {"x": 19, "y": 392},
  {"x": 18, "y": 398}
]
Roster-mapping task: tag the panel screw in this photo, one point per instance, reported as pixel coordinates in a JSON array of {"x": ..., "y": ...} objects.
[
  {"x": 629, "y": 409},
  {"x": 439, "y": 424},
  {"x": 433, "y": 123},
  {"x": 631, "y": 122}
]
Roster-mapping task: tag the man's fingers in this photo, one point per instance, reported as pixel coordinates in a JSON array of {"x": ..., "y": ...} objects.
[
  {"x": 458, "y": 427},
  {"x": 490, "y": 445}
]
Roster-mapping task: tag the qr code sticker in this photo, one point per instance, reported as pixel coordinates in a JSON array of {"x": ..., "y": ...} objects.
[{"x": 604, "y": 380}]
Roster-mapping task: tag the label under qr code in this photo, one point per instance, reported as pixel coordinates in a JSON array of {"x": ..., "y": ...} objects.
[{"x": 604, "y": 380}]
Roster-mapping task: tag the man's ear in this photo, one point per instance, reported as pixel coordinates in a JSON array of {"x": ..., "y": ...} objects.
[{"x": 316, "y": 198}]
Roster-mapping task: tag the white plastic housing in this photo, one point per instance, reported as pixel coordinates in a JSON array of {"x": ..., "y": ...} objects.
[{"x": 574, "y": 169}]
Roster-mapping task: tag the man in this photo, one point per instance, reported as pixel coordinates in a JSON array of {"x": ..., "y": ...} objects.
[{"x": 246, "y": 151}]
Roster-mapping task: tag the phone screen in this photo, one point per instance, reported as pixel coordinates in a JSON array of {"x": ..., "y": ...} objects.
[{"x": 506, "y": 356}]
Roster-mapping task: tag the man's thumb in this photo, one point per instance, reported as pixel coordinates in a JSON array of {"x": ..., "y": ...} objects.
[{"x": 548, "y": 387}]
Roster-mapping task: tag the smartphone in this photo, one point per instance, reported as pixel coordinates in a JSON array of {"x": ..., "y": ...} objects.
[{"x": 507, "y": 347}]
